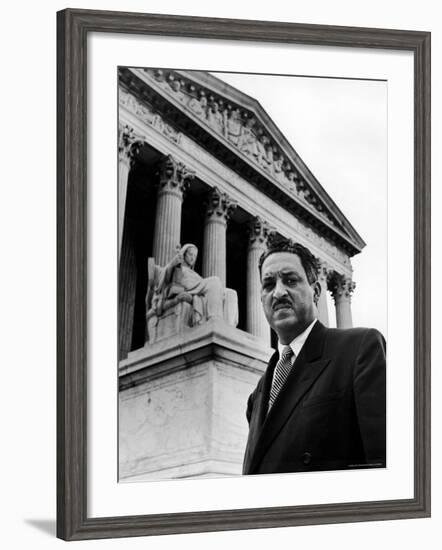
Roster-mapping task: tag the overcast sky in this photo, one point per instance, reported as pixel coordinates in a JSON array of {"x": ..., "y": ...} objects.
[{"x": 339, "y": 128}]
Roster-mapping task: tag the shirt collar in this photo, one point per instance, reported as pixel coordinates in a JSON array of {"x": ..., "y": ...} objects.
[{"x": 297, "y": 342}]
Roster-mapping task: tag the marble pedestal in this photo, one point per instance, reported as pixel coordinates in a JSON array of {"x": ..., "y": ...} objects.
[{"x": 182, "y": 404}]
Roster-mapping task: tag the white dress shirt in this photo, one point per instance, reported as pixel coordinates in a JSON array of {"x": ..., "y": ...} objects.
[{"x": 297, "y": 342}]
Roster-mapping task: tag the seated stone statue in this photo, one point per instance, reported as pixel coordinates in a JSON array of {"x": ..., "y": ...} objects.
[{"x": 178, "y": 284}]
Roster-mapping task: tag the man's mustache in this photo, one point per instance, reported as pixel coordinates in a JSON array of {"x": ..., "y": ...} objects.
[{"x": 283, "y": 302}]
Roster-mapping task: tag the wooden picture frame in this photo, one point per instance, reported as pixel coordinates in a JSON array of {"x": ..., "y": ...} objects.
[{"x": 73, "y": 27}]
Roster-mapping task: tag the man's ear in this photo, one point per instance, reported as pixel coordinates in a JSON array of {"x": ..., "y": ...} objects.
[{"x": 316, "y": 292}]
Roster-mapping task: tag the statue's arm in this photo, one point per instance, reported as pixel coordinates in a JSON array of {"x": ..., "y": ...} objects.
[
  {"x": 167, "y": 270},
  {"x": 165, "y": 274}
]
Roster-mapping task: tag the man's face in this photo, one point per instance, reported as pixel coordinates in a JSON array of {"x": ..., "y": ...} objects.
[
  {"x": 287, "y": 297},
  {"x": 190, "y": 256}
]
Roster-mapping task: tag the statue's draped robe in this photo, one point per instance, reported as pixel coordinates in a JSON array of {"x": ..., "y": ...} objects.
[{"x": 183, "y": 279}]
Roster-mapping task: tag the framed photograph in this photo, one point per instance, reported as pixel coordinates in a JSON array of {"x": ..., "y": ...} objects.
[{"x": 243, "y": 274}]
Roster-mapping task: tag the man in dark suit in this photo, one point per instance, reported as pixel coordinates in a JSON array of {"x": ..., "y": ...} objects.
[{"x": 320, "y": 404}]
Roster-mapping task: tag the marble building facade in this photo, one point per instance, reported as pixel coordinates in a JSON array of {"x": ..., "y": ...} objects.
[{"x": 200, "y": 162}]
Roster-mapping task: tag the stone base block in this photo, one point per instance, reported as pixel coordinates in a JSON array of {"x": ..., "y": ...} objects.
[{"x": 182, "y": 408}]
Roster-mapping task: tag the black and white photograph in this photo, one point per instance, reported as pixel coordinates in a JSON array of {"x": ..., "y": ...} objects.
[
  {"x": 220, "y": 229},
  {"x": 252, "y": 274}
]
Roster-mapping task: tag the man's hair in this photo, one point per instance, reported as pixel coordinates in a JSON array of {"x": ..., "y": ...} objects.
[{"x": 277, "y": 243}]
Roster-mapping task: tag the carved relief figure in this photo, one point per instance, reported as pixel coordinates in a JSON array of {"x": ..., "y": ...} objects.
[
  {"x": 260, "y": 151},
  {"x": 166, "y": 129},
  {"x": 158, "y": 75},
  {"x": 247, "y": 143},
  {"x": 176, "y": 87},
  {"x": 215, "y": 117},
  {"x": 199, "y": 106},
  {"x": 292, "y": 182},
  {"x": 234, "y": 127},
  {"x": 277, "y": 166},
  {"x": 268, "y": 156},
  {"x": 131, "y": 103}
]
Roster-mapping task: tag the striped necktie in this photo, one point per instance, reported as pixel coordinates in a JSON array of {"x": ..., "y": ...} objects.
[{"x": 282, "y": 370}]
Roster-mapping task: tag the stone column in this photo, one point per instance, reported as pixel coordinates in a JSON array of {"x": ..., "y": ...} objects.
[
  {"x": 322, "y": 304},
  {"x": 128, "y": 147},
  {"x": 127, "y": 283},
  {"x": 219, "y": 209},
  {"x": 256, "y": 321},
  {"x": 174, "y": 180},
  {"x": 341, "y": 288}
]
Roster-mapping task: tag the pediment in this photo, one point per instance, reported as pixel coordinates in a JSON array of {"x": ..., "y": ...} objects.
[{"x": 236, "y": 128}]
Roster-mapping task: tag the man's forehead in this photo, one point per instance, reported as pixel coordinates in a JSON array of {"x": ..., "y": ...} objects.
[{"x": 281, "y": 261}]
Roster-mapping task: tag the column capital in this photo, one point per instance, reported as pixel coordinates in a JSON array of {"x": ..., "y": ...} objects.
[
  {"x": 258, "y": 231},
  {"x": 174, "y": 176},
  {"x": 340, "y": 286},
  {"x": 129, "y": 144},
  {"x": 219, "y": 206}
]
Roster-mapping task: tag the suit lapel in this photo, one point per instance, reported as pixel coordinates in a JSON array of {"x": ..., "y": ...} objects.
[
  {"x": 260, "y": 411},
  {"x": 306, "y": 370}
]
